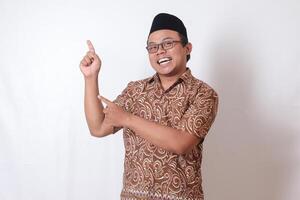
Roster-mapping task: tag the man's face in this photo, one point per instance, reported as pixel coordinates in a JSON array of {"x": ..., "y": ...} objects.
[{"x": 171, "y": 60}]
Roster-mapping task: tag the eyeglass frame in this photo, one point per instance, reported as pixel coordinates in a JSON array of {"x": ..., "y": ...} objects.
[{"x": 162, "y": 45}]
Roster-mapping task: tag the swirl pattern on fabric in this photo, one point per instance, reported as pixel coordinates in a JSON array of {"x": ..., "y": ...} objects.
[{"x": 151, "y": 172}]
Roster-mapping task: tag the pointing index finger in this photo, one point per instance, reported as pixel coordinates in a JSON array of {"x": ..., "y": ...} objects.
[
  {"x": 90, "y": 45},
  {"x": 105, "y": 100}
]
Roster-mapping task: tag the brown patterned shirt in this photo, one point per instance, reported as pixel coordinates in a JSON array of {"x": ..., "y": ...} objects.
[{"x": 151, "y": 172}]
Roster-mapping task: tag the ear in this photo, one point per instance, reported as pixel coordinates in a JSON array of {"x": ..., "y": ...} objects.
[{"x": 188, "y": 48}]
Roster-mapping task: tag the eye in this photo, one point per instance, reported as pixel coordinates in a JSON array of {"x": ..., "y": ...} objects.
[
  {"x": 152, "y": 48},
  {"x": 168, "y": 44}
]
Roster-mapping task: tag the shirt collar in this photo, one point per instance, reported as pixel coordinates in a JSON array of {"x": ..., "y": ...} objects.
[{"x": 186, "y": 76}]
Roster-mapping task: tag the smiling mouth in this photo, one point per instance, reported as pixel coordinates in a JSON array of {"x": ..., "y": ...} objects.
[{"x": 164, "y": 61}]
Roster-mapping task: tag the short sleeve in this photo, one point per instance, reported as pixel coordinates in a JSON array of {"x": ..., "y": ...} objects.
[
  {"x": 125, "y": 99},
  {"x": 201, "y": 113}
]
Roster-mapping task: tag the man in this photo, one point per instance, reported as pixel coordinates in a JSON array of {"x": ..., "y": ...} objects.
[{"x": 165, "y": 118}]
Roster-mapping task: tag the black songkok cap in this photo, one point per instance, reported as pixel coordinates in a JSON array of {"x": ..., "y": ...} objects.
[{"x": 167, "y": 21}]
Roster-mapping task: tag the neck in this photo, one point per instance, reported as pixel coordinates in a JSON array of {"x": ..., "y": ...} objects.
[{"x": 167, "y": 81}]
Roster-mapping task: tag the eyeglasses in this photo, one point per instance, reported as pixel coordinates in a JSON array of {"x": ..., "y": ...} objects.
[{"x": 168, "y": 44}]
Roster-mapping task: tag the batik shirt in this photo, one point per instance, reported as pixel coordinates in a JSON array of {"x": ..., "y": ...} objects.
[{"x": 151, "y": 172}]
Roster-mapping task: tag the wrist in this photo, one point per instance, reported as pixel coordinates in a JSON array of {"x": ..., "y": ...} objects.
[
  {"x": 91, "y": 79},
  {"x": 128, "y": 120}
]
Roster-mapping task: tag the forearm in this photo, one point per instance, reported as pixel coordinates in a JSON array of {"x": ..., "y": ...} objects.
[
  {"x": 169, "y": 138},
  {"x": 92, "y": 106}
]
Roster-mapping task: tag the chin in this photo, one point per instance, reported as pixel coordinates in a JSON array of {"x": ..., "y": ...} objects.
[{"x": 167, "y": 70}]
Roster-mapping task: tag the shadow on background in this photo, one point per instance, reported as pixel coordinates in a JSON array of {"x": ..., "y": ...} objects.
[{"x": 249, "y": 154}]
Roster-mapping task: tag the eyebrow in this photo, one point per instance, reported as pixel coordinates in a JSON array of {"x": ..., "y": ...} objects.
[{"x": 166, "y": 38}]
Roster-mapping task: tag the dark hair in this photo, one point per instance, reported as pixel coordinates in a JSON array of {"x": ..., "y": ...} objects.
[{"x": 184, "y": 41}]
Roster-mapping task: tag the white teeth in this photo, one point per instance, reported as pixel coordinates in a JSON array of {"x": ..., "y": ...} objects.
[{"x": 163, "y": 60}]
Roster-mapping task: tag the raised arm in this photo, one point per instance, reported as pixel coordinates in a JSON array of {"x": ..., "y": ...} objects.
[{"x": 90, "y": 67}]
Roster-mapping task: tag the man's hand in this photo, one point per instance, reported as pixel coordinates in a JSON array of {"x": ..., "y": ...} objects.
[
  {"x": 90, "y": 64},
  {"x": 114, "y": 114}
]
